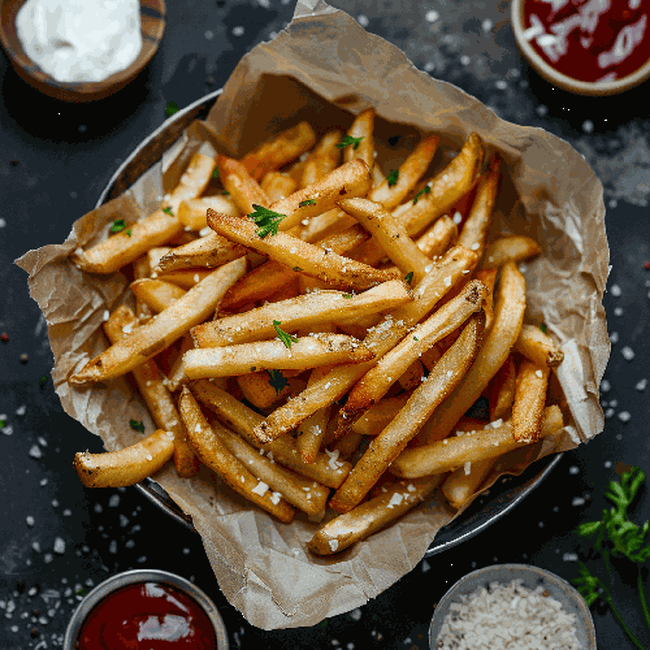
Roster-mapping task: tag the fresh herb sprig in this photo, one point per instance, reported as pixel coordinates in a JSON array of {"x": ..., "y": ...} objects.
[
  {"x": 285, "y": 337},
  {"x": 393, "y": 177},
  {"x": 350, "y": 140},
  {"x": 616, "y": 536},
  {"x": 266, "y": 220}
]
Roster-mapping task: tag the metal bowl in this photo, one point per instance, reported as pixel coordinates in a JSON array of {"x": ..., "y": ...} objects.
[
  {"x": 505, "y": 495},
  {"x": 531, "y": 577},
  {"x": 144, "y": 575}
]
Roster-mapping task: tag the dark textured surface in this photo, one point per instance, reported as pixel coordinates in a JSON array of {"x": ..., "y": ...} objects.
[{"x": 57, "y": 539}]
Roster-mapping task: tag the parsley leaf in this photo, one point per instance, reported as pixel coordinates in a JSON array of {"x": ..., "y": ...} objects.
[
  {"x": 171, "y": 108},
  {"x": 128, "y": 232},
  {"x": 169, "y": 211},
  {"x": 266, "y": 220},
  {"x": 118, "y": 225},
  {"x": 409, "y": 277},
  {"x": 285, "y": 337},
  {"x": 3, "y": 424},
  {"x": 277, "y": 380},
  {"x": 425, "y": 190},
  {"x": 306, "y": 202},
  {"x": 215, "y": 173},
  {"x": 392, "y": 177},
  {"x": 543, "y": 327},
  {"x": 137, "y": 425},
  {"x": 349, "y": 140}
]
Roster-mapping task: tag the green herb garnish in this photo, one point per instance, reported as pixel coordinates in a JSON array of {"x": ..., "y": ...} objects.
[
  {"x": 215, "y": 173},
  {"x": 348, "y": 295},
  {"x": 306, "y": 202},
  {"x": 285, "y": 337},
  {"x": 392, "y": 177},
  {"x": 225, "y": 193},
  {"x": 543, "y": 327},
  {"x": 266, "y": 220},
  {"x": 277, "y": 380},
  {"x": 118, "y": 225},
  {"x": 409, "y": 277},
  {"x": 137, "y": 425},
  {"x": 3, "y": 424},
  {"x": 615, "y": 536},
  {"x": 171, "y": 108},
  {"x": 425, "y": 190},
  {"x": 349, "y": 140},
  {"x": 128, "y": 231},
  {"x": 169, "y": 211}
]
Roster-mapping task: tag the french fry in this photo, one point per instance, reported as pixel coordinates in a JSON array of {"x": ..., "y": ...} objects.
[
  {"x": 209, "y": 251},
  {"x": 369, "y": 517},
  {"x": 191, "y": 213},
  {"x": 311, "y": 432},
  {"x": 156, "y": 294},
  {"x": 213, "y": 453},
  {"x": 301, "y": 353},
  {"x": 280, "y": 150},
  {"x": 537, "y": 346},
  {"x": 335, "y": 270},
  {"x": 502, "y": 390},
  {"x": 379, "y": 415},
  {"x": 266, "y": 389},
  {"x": 459, "y": 486},
  {"x": 176, "y": 377},
  {"x": 530, "y": 396},
  {"x": 127, "y": 466},
  {"x": 508, "y": 318},
  {"x": 510, "y": 249},
  {"x": 439, "y": 237},
  {"x": 192, "y": 182},
  {"x": 147, "y": 340},
  {"x": 126, "y": 246},
  {"x": 451, "y": 453},
  {"x": 277, "y": 186},
  {"x": 184, "y": 278},
  {"x": 242, "y": 187},
  {"x": 159, "y": 401},
  {"x": 300, "y": 312},
  {"x": 141, "y": 269},
  {"x": 323, "y": 159},
  {"x": 387, "y": 446},
  {"x": 362, "y": 130}
]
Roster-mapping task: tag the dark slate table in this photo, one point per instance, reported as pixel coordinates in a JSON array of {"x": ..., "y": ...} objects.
[{"x": 58, "y": 539}]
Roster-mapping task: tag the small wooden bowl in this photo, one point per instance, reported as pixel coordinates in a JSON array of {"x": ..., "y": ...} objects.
[{"x": 152, "y": 26}]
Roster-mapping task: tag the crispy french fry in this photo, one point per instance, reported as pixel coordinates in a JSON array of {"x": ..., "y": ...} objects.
[
  {"x": 530, "y": 396},
  {"x": 147, "y": 340},
  {"x": 266, "y": 389},
  {"x": 191, "y": 213},
  {"x": 192, "y": 182},
  {"x": 209, "y": 251},
  {"x": 502, "y": 390},
  {"x": 510, "y": 249},
  {"x": 311, "y": 432},
  {"x": 451, "y": 453},
  {"x": 127, "y": 466},
  {"x": 323, "y": 159},
  {"x": 126, "y": 246},
  {"x": 362, "y": 130},
  {"x": 156, "y": 294},
  {"x": 300, "y": 312},
  {"x": 277, "y": 186},
  {"x": 176, "y": 376},
  {"x": 379, "y": 415},
  {"x": 242, "y": 187},
  {"x": 369, "y": 517},
  {"x": 151, "y": 385},
  {"x": 141, "y": 269},
  {"x": 459, "y": 486},
  {"x": 439, "y": 237},
  {"x": 537, "y": 346},
  {"x": 508, "y": 318},
  {"x": 184, "y": 278},
  {"x": 387, "y": 446},
  {"x": 280, "y": 150},
  {"x": 301, "y": 353}
]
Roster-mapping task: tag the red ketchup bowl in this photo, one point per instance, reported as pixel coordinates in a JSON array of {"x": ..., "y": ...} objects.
[
  {"x": 146, "y": 608},
  {"x": 588, "y": 47}
]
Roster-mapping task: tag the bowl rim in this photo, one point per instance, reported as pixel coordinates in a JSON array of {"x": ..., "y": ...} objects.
[
  {"x": 494, "y": 573},
  {"x": 134, "y": 576},
  {"x": 562, "y": 80}
]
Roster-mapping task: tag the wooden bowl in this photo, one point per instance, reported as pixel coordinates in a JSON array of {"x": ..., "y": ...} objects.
[{"x": 152, "y": 26}]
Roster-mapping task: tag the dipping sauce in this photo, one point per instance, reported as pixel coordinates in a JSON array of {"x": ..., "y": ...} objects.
[
  {"x": 590, "y": 40},
  {"x": 147, "y": 616}
]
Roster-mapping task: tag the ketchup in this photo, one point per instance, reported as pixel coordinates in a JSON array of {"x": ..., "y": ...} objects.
[
  {"x": 147, "y": 616},
  {"x": 590, "y": 40}
]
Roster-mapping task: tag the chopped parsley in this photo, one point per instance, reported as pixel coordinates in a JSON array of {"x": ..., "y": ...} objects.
[
  {"x": 543, "y": 327},
  {"x": 118, "y": 225},
  {"x": 225, "y": 193},
  {"x": 277, "y": 380},
  {"x": 169, "y": 211},
  {"x": 425, "y": 190},
  {"x": 137, "y": 425},
  {"x": 306, "y": 202},
  {"x": 285, "y": 337},
  {"x": 266, "y": 220},
  {"x": 349, "y": 140},
  {"x": 3, "y": 424},
  {"x": 348, "y": 295},
  {"x": 408, "y": 277},
  {"x": 392, "y": 177},
  {"x": 215, "y": 173},
  {"x": 171, "y": 108}
]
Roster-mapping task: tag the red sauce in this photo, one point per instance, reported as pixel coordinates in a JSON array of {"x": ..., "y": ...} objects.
[
  {"x": 147, "y": 616},
  {"x": 590, "y": 40}
]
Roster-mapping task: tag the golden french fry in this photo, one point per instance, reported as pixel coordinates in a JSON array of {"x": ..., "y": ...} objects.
[
  {"x": 324, "y": 158},
  {"x": 382, "y": 338},
  {"x": 439, "y": 237},
  {"x": 362, "y": 130},
  {"x": 127, "y": 466},
  {"x": 530, "y": 396},
  {"x": 508, "y": 318},
  {"x": 209, "y": 251},
  {"x": 159, "y": 401},
  {"x": 192, "y": 182},
  {"x": 280, "y": 150},
  {"x": 369, "y": 517},
  {"x": 156, "y": 294},
  {"x": 147, "y": 340},
  {"x": 184, "y": 278},
  {"x": 510, "y": 249},
  {"x": 155, "y": 254},
  {"x": 379, "y": 415},
  {"x": 387, "y": 446},
  {"x": 312, "y": 431},
  {"x": 459, "y": 486},
  {"x": 277, "y": 185},
  {"x": 537, "y": 346},
  {"x": 176, "y": 376},
  {"x": 300, "y": 312},
  {"x": 391, "y": 236},
  {"x": 244, "y": 190},
  {"x": 191, "y": 213},
  {"x": 502, "y": 390},
  {"x": 266, "y": 389},
  {"x": 141, "y": 269},
  {"x": 213, "y": 453},
  {"x": 456, "y": 451},
  {"x": 126, "y": 246}
]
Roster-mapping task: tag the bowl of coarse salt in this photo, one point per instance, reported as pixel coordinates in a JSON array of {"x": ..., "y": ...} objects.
[
  {"x": 80, "y": 50},
  {"x": 512, "y": 606}
]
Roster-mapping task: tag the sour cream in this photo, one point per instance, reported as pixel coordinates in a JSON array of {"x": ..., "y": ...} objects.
[{"x": 80, "y": 40}]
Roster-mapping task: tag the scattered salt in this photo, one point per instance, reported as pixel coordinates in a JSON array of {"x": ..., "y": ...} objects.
[
  {"x": 628, "y": 353},
  {"x": 641, "y": 384}
]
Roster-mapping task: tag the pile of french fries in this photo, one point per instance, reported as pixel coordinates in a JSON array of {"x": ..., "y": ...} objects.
[{"x": 314, "y": 330}]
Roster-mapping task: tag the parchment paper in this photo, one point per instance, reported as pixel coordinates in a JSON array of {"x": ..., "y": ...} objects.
[{"x": 549, "y": 192}]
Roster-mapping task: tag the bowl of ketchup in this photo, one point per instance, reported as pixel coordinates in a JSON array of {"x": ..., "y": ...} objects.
[
  {"x": 146, "y": 608},
  {"x": 588, "y": 47}
]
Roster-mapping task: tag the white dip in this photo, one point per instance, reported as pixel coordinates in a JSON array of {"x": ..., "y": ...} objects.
[{"x": 80, "y": 40}]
